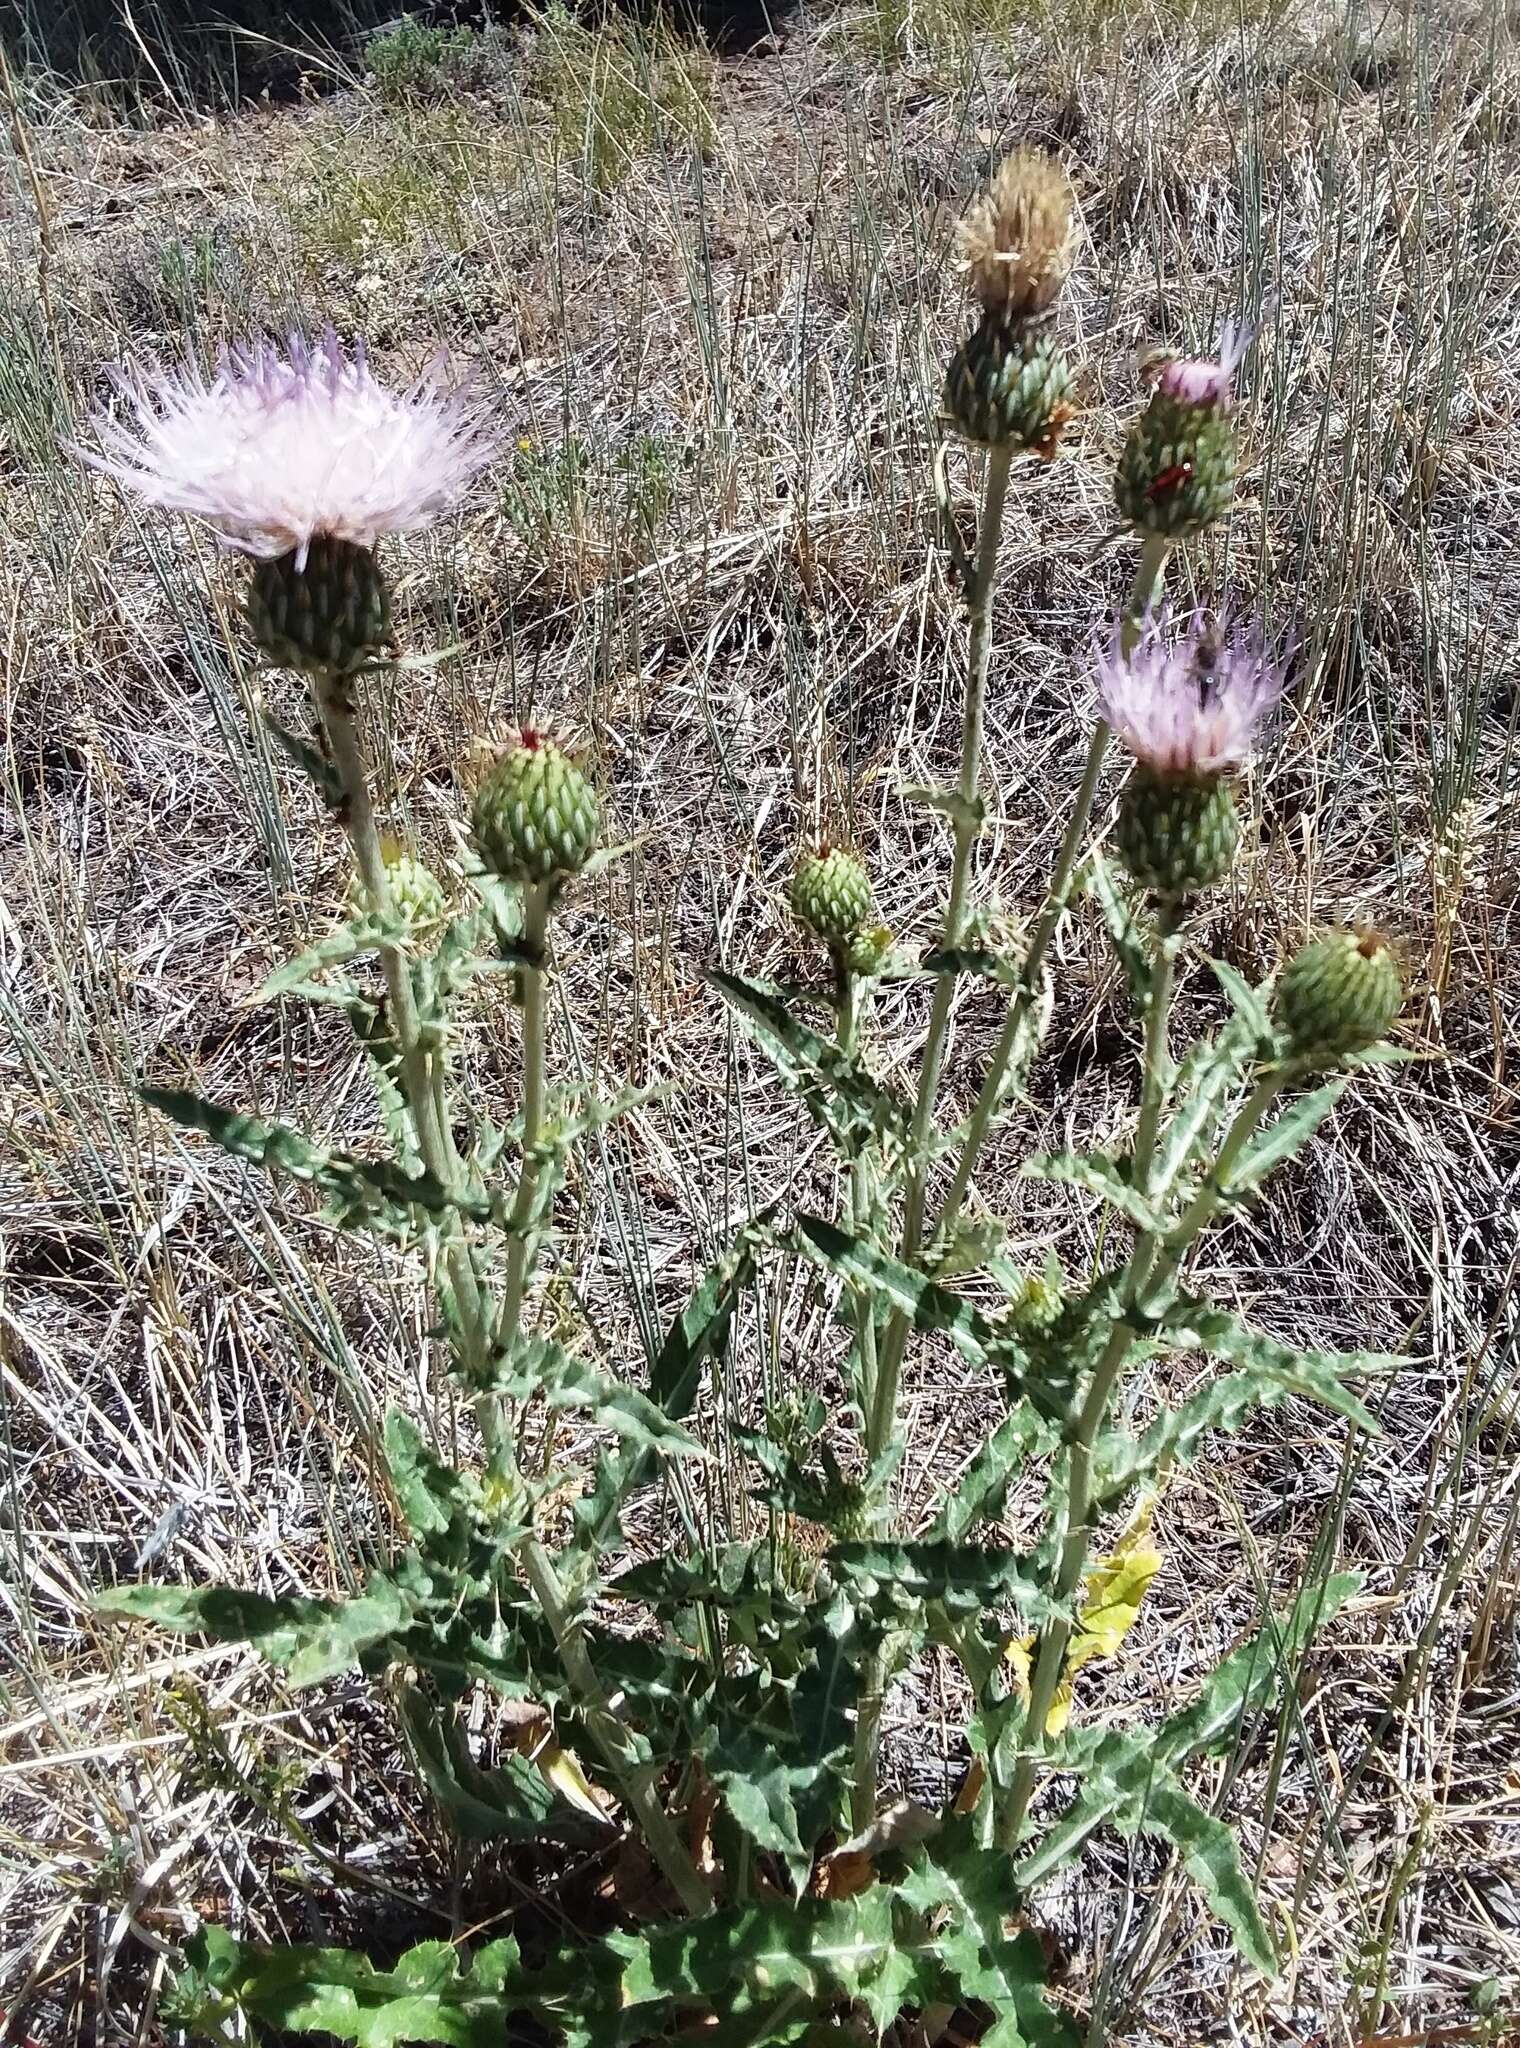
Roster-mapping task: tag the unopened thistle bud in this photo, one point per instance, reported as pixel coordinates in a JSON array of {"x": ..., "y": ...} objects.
[
  {"x": 1176, "y": 474},
  {"x": 1187, "y": 706},
  {"x": 1008, "y": 385},
  {"x": 1338, "y": 995},
  {"x": 417, "y": 896},
  {"x": 1176, "y": 836},
  {"x": 535, "y": 815},
  {"x": 323, "y": 609},
  {"x": 831, "y": 893},
  {"x": 1035, "y": 1311}
]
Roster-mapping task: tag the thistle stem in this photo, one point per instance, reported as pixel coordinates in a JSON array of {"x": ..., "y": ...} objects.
[
  {"x": 1149, "y": 575},
  {"x": 1153, "y": 1262},
  {"x": 534, "y": 938},
  {"x": 435, "y": 1141}
]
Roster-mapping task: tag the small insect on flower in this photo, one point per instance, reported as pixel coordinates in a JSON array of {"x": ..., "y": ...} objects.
[
  {"x": 1189, "y": 699},
  {"x": 1170, "y": 480},
  {"x": 286, "y": 446}
]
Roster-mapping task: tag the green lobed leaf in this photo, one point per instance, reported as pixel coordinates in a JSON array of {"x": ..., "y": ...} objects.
[
  {"x": 347, "y": 941},
  {"x": 970, "y": 1892},
  {"x": 309, "y": 758},
  {"x": 369, "y": 1185},
  {"x": 974, "y": 960},
  {"x": 538, "y": 1367},
  {"x": 1126, "y": 934},
  {"x": 698, "y": 1333},
  {"x": 1293, "y": 1130},
  {"x": 1101, "y": 1174},
  {"x": 1192, "y": 1324},
  {"x": 1249, "y": 1005},
  {"x": 962, "y": 1577},
  {"x": 1127, "y": 1786},
  {"x": 967, "y": 814},
  {"x": 834, "y": 1085},
  {"x": 509, "y": 1801},
  {"x": 929, "y": 1305},
  {"x": 1253, "y": 1675},
  {"x": 981, "y": 1490},
  {"x": 1201, "y": 1091},
  {"x": 308, "y": 1639}
]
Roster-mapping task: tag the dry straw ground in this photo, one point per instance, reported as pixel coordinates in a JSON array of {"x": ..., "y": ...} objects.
[{"x": 714, "y": 298}]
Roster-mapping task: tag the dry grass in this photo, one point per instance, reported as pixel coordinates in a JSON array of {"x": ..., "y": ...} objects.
[{"x": 717, "y": 333}]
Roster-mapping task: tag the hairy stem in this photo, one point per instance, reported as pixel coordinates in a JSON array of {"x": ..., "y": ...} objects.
[
  {"x": 1153, "y": 1262},
  {"x": 1143, "y": 593},
  {"x": 436, "y": 1143},
  {"x": 533, "y": 977}
]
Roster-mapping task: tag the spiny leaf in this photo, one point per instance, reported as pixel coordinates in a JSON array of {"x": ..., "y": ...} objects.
[
  {"x": 697, "y": 1334},
  {"x": 308, "y": 1639},
  {"x": 1253, "y": 1675},
  {"x": 1128, "y": 1787},
  {"x": 981, "y": 1490},
  {"x": 1281, "y": 1140},
  {"x": 311, "y": 761},
  {"x": 1250, "y": 1006},
  {"x": 427, "y": 1997},
  {"x": 963, "y": 1577},
  {"x": 511, "y": 1801},
  {"x": 1125, "y": 932},
  {"x": 968, "y": 1893},
  {"x": 1202, "y": 1087},
  {"x": 833, "y": 1084},
  {"x": 364, "y": 1184},
  {"x": 967, "y": 814},
  {"x": 1101, "y": 1174},
  {"x": 1192, "y": 1324},
  {"x": 347, "y": 941},
  {"x": 538, "y": 1366},
  {"x": 973, "y": 960},
  {"x": 929, "y": 1305}
]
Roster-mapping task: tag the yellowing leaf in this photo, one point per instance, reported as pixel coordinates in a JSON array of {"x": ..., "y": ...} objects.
[{"x": 1114, "y": 1589}]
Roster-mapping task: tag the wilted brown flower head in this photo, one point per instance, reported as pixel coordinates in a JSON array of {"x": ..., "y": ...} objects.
[{"x": 1017, "y": 239}]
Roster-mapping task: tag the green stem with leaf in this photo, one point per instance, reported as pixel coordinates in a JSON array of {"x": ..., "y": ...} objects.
[
  {"x": 1152, "y": 1264},
  {"x": 617, "y": 1745},
  {"x": 1144, "y": 590}
]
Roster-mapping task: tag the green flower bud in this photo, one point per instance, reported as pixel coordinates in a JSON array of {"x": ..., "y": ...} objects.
[
  {"x": 329, "y": 616},
  {"x": 1176, "y": 475},
  {"x": 535, "y": 815},
  {"x": 1339, "y": 994},
  {"x": 831, "y": 893},
  {"x": 1176, "y": 834},
  {"x": 1008, "y": 385},
  {"x": 417, "y": 896},
  {"x": 1035, "y": 1312}
]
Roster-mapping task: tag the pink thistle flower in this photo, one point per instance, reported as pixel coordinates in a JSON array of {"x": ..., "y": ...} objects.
[
  {"x": 1189, "y": 705},
  {"x": 1200, "y": 382},
  {"x": 282, "y": 447}
]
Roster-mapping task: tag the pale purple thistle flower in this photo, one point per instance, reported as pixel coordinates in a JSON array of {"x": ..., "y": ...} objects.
[
  {"x": 280, "y": 448},
  {"x": 1196, "y": 381},
  {"x": 1189, "y": 704}
]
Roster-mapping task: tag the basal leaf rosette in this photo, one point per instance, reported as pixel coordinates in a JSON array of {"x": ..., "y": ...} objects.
[
  {"x": 298, "y": 455},
  {"x": 1188, "y": 700}
]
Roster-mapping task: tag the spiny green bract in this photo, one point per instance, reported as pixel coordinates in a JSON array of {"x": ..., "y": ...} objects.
[
  {"x": 535, "y": 814},
  {"x": 1007, "y": 386},
  {"x": 330, "y": 616},
  {"x": 1339, "y": 994},
  {"x": 417, "y": 896},
  {"x": 1176, "y": 835},
  {"x": 831, "y": 893},
  {"x": 1176, "y": 474}
]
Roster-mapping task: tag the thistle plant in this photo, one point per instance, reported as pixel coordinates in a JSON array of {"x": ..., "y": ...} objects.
[{"x": 718, "y": 1705}]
